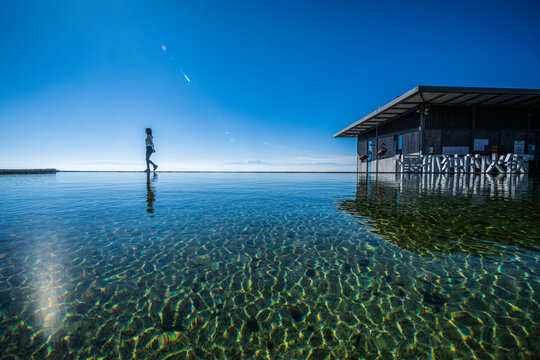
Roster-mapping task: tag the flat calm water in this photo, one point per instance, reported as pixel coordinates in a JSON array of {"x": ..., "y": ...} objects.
[{"x": 269, "y": 266}]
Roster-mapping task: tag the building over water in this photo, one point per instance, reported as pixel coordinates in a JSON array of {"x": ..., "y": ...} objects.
[{"x": 451, "y": 129}]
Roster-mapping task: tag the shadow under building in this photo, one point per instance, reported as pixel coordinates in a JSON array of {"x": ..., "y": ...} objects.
[{"x": 451, "y": 129}]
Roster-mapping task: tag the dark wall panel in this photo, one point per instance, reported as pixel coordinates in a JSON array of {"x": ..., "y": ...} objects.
[
  {"x": 432, "y": 139},
  {"x": 455, "y": 137},
  {"x": 440, "y": 117},
  {"x": 367, "y": 135},
  {"x": 501, "y": 118},
  {"x": 535, "y": 119}
]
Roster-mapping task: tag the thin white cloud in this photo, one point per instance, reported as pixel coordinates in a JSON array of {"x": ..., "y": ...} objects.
[
  {"x": 112, "y": 162},
  {"x": 335, "y": 163},
  {"x": 249, "y": 162},
  {"x": 312, "y": 160},
  {"x": 286, "y": 148}
]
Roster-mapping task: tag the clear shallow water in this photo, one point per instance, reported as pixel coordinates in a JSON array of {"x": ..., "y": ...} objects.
[{"x": 292, "y": 266}]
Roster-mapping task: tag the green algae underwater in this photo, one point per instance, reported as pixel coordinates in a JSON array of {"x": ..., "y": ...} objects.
[{"x": 269, "y": 266}]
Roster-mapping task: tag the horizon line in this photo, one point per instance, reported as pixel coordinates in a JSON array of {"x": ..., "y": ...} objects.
[{"x": 215, "y": 171}]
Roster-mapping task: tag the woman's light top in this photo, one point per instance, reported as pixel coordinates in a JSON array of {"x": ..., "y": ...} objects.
[{"x": 150, "y": 141}]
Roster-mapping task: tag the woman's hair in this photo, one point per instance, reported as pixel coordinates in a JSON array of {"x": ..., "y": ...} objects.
[{"x": 149, "y": 131}]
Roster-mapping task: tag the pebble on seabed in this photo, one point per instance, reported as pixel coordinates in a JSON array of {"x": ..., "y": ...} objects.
[
  {"x": 296, "y": 313},
  {"x": 363, "y": 262},
  {"x": 252, "y": 324}
]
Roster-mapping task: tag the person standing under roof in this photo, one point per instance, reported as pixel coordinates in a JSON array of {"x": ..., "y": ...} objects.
[{"x": 149, "y": 150}]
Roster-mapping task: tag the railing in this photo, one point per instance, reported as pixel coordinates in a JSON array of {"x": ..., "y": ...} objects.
[{"x": 503, "y": 164}]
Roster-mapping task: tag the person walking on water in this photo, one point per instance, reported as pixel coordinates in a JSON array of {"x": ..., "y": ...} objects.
[{"x": 149, "y": 149}]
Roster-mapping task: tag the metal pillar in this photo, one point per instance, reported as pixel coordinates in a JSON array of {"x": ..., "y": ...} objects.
[
  {"x": 526, "y": 150},
  {"x": 374, "y": 156},
  {"x": 422, "y": 125},
  {"x": 357, "y": 153},
  {"x": 473, "y": 130}
]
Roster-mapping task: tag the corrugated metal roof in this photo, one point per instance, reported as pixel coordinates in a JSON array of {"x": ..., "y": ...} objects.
[{"x": 443, "y": 95}]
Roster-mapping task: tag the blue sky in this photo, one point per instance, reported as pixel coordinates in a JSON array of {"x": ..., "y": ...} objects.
[{"x": 270, "y": 82}]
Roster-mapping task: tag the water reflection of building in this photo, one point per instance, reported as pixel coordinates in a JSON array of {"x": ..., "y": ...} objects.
[
  {"x": 477, "y": 185},
  {"x": 438, "y": 122},
  {"x": 433, "y": 213}
]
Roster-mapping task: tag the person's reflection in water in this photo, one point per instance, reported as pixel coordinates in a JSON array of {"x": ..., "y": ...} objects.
[{"x": 150, "y": 193}]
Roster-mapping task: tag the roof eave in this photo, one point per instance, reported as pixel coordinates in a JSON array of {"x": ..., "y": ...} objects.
[
  {"x": 399, "y": 99},
  {"x": 421, "y": 89}
]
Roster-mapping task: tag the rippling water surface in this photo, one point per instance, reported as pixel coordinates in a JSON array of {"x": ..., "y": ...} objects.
[{"x": 279, "y": 266}]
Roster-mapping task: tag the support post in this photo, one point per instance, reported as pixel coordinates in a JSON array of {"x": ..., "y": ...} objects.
[
  {"x": 374, "y": 156},
  {"x": 526, "y": 150},
  {"x": 422, "y": 125},
  {"x": 473, "y": 129},
  {"x": 357, "y": 153}
]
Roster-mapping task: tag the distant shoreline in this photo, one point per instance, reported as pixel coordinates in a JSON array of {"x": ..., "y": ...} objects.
[{"x": 27, "y": 171}]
